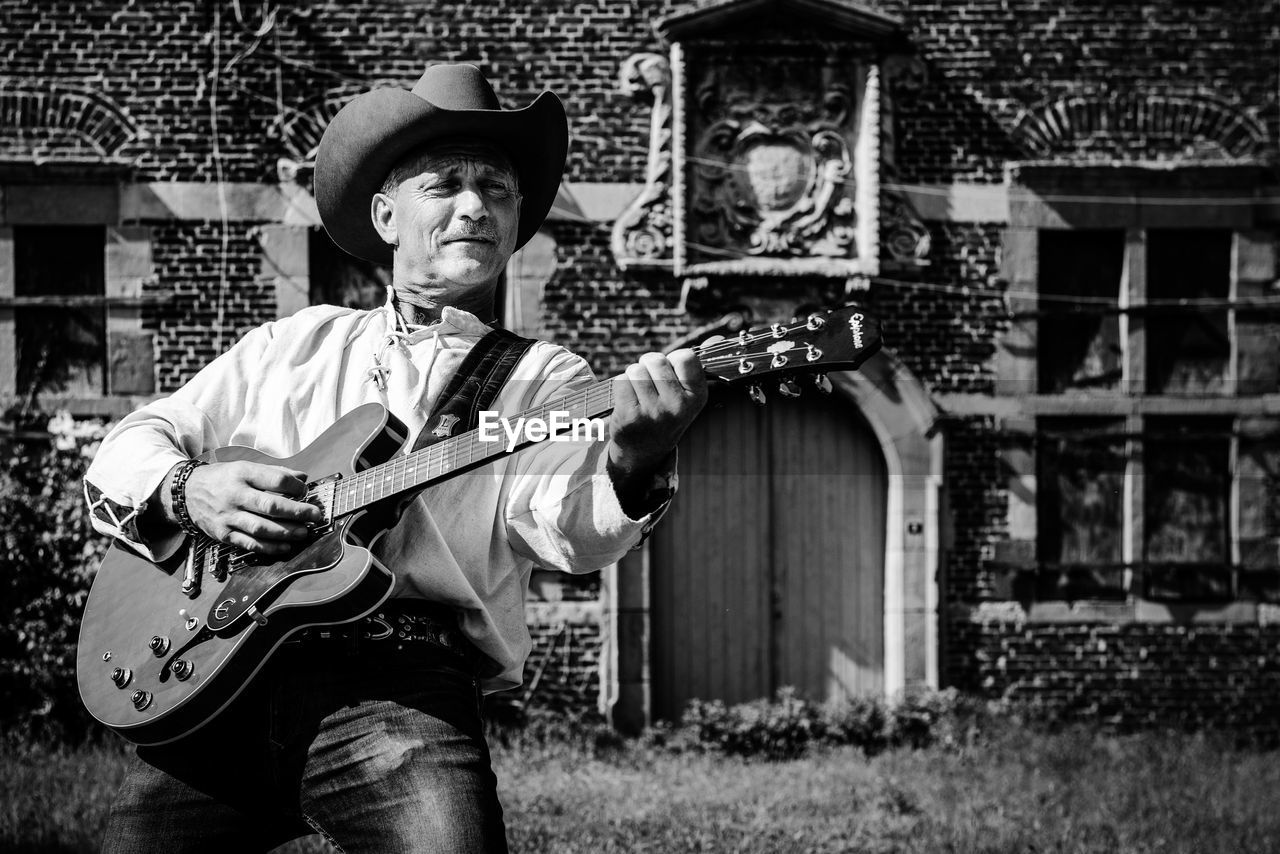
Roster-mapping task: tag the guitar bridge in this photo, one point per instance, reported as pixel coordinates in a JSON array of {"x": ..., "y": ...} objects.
[
  {"x": 322, "y": 493},
  {"x": 202, "y": 556}
]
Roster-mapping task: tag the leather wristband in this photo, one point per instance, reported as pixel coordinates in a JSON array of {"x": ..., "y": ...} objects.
[{"x": 178, "y": 496}]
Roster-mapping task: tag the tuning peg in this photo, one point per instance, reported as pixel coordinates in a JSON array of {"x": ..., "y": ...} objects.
[
  {"x": 756, "y": 394},
  {"x": 789, "y": 388},
  {"x": 822, "y": 384}
]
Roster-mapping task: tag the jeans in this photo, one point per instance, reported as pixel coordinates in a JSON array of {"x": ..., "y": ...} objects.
[{"x": 379, "y": 751}]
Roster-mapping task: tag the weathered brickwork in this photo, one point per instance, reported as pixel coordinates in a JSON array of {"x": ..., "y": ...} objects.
[
  {"x": 943, "y": 333},
  {"x": 976, "y": 504},
  {"x": 989, "y": 60},
  {"x": 985, "y": 63},
  {"x": 210, "y": 290},
  {"x": 563, "y": 670},
  {"x": 606, "y": 318},
  {"x": 159, "y": 73},
  {"x": 1130, "y": 676}
]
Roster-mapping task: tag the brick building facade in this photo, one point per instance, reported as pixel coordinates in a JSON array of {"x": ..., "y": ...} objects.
[{"x": 1081, "y": 437}]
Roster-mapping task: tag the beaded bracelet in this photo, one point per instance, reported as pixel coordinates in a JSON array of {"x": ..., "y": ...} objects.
[{"x": 178, "y": 494}]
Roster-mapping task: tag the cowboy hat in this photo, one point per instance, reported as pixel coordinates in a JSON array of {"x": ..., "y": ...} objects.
[{"x": 374, "y": 130}]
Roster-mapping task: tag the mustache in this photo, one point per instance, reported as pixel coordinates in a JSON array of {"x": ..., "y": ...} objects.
[{"x": 482, "y": 230}]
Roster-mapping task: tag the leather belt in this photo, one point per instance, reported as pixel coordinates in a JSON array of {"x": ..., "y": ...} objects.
[{"x": 398, "y": 624}]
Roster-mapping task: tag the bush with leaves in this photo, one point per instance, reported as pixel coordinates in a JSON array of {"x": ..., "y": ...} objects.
[
  {"x": 788, "y": 725},
  {"x": 48, "y": 552}
]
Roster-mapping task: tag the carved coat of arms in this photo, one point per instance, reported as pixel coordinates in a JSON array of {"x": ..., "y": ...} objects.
[{"x": 772, "y": 166}]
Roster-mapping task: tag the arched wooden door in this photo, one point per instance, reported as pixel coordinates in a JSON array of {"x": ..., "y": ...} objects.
[{"x": 769, "y": 567}]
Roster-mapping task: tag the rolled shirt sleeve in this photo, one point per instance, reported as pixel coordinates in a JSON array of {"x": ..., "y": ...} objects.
[
  {"x": 136, "y": 455},
  {"x": 562, "y": 511}
]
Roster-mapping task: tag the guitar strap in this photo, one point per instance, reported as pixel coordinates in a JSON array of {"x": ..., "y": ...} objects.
[{"x": 474, "y": 386}]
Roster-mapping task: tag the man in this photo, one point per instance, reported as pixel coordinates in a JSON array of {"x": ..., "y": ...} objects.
[{"x": 379, "y": 746}]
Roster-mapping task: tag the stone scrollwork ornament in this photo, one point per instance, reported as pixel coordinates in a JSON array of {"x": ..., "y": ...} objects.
[
  {"x": 642, "y": 235},
  {"x": 904, "y": 238}
]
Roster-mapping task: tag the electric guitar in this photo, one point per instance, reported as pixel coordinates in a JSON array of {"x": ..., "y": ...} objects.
[{"x": 164, "y": 647}]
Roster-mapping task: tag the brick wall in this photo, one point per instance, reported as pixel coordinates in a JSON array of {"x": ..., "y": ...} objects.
[
  {"x": 990, "y": 59},
  {"x": 563, "y": 670},
  {"x": 189, "y": 262},
  {"x": 607, "y": 318},
  {"x": 946, "y": 337},
  {"x": 1130, "y": 676},
  {"x": 976, "y": 506},
  {"x": 987, "y": 61}
]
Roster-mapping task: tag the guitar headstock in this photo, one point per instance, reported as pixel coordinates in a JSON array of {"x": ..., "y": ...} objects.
[{"x": 837, "y": 340}]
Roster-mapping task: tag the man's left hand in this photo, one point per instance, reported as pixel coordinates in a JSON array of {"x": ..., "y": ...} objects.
[{"x": 654, "y": 402}]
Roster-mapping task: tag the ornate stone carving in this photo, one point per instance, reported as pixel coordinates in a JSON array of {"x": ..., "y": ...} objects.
[
  {"x": 771, "y": 161},
  {"x": 765, "y": 151},
  {"x": 642, "y": 235}
]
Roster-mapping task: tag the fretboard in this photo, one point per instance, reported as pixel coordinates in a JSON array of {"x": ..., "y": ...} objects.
[{"x": 460, "y": 453}]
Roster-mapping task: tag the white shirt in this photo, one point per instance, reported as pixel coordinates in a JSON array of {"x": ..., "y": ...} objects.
[{"x": 470, "y": 542}]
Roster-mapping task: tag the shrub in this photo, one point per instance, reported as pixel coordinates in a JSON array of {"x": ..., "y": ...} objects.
[
  {"x": 866, "y": 722},
  {"x": 48, "y": 553},
  {"x": 787, "y": 726}
]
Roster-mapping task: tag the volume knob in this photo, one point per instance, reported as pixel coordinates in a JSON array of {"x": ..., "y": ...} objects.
[
  {"x": 182, "y": 668},
  {"x": 121, "y": 676},
  {"x": 141, "y": 699},
  {"x": 159, "y": 645}
]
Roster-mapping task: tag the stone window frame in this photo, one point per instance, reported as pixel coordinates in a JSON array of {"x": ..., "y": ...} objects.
[
  {"x": 1049, "y": 196},
  {"x": 129, "y": 361}
]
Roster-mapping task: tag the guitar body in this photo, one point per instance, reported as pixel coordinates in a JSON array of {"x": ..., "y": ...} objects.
[{"x": 227, "y": 631}]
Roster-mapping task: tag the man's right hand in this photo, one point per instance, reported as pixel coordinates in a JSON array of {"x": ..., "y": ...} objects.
[{"x": 251, "y": 505}]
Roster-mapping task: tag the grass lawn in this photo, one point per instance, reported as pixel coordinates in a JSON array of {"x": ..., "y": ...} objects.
[{"x": 1019, "y": 791}]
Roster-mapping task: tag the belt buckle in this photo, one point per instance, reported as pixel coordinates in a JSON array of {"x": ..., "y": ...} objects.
[{"x": 383, "y": 629}]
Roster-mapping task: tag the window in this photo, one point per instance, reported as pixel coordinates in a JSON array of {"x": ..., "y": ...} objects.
[
  {"x": 1080, "y": 505},
  {"x": 1186, "y": 542},
  {"x": 1188, "y": 349},
  {"x": 1153, "y": 472},
  {"x": 59, "y": 311},
  {"x": 1085, "y": 351}
]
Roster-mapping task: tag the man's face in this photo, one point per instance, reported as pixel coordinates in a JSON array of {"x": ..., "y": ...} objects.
[{"x": 455, "y": 214}]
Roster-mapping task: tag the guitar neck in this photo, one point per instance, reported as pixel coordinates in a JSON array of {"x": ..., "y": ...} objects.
[
  {"x": 457, "y": 454},
  {"x": 841, "y": 339}
]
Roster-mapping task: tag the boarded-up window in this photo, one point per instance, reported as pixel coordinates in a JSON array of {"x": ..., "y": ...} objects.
[
  {"x": 341, "y": 279},
  {"x": 1080, "y": 506},
  {"x": 1186, "y": 497},
  {"x": 1258, "y": 345},
  {"x": 60, "y": 317},
  {"x": 1188, "y": 349},
  {"x": 1079, "y": 274},
  {"x": 1258, "y": 488}
]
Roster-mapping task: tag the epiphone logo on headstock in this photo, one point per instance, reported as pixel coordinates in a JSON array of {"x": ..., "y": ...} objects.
[{"x": 855, "y": 326}]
